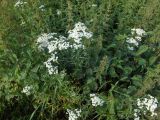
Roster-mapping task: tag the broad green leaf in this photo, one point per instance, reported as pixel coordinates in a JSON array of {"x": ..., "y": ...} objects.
[
  {"x": 137, "y": 80},
  {"x": 113, "y": 72},
  {"x": 127, "y": 70},
  {"x": 141, "y": 50},
  {"x": 35, "y": 69},
  {"x": 137, "y": 83}
]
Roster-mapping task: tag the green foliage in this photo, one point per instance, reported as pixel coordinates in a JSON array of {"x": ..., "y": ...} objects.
[{"x": 106, "y": 66}]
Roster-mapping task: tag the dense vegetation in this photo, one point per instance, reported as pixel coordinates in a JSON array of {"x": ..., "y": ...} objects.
[{"x": 107, "y": 65}]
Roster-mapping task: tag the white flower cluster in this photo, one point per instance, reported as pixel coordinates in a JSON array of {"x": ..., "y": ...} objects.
[
  {"x": 73, "y": 115},
  {"x": 42, "y": 7},
  {"x": 96, "y": 101},
  {"x": 52, "y": 69},
  {"x": 43, "y": 40},
  {"x": 58, "y": 43},
  {"x": 137, "y": 37},
  {"x": 19, "y": 3},
  {"x": 23, "y": 22},
  {"x": 79, "y": 31},
  {"x": 94, "y": 5},
  {"x": 146, "y": 104},
  {"x": 27, "y": 90},
  {"x": 139, "y": 32},
  {"x": 58, "y": 12},
  {"x": 53, "y": 42}
]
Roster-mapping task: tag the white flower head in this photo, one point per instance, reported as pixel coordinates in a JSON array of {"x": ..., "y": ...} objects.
[
  {"x": 132, "y": 41},
  {"x": 79, "y": 31},
  {"x": 43, "y": 40},
  {"x": 51, "y": 68},
  {"x": 131, "y": 48},
  {"x": 136, "y": 115},
  {"x": 58, "y": 12},
  {"x": 23, "y": 22},
  {"x": 19, "y": 3},
  {"x": 138, "y": 38},
  {"x": 27, "y": 90},
  {"x": 139, "y": 32},
  {"x": 42, "y": 7},
  {"x": 148, "y": 103},
  {"x": 94, "y": 5},
  {"x": 74, "y": 115},
  {"x": 96, "y": 101},
  {"x": 54, "y": 42}
]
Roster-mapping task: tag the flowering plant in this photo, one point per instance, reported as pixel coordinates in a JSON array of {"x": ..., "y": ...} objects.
[{"x": 79, "y": 60}]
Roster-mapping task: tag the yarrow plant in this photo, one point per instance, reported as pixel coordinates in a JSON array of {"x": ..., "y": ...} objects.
[
  {"x": 137, "y": 37},
  {"x": 52, "y": 42},
  {"x": 147, "y": 104},
  {"x": 74, "y": 115},
  {"x": 79, "y": 70},
  {"x": 96, "y": 101}
]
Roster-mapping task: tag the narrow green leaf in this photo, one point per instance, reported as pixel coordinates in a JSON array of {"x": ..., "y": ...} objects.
[{"x": 152, "y": 60}]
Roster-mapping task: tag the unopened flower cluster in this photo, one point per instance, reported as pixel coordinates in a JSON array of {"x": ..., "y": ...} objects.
[
  {"x": 73, "y": 115},
  {"x": 147, "y": 104},
  {"x": 137, "y": 37},
  {"x": 27, "y": 90},
  {"x": 96, "y": 101},
  {"x": 19, "y": 3},
  {"x": 53, "y": 42}
]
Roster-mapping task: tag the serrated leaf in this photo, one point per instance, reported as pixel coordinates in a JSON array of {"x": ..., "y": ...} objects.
[{"x": 141, "y": 50}]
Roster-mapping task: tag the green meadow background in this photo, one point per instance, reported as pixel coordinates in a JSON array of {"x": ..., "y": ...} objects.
[{"x": 106, "y": 67}]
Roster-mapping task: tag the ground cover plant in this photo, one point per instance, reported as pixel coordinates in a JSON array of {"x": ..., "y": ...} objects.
[{"x": 79, "y": 60}]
